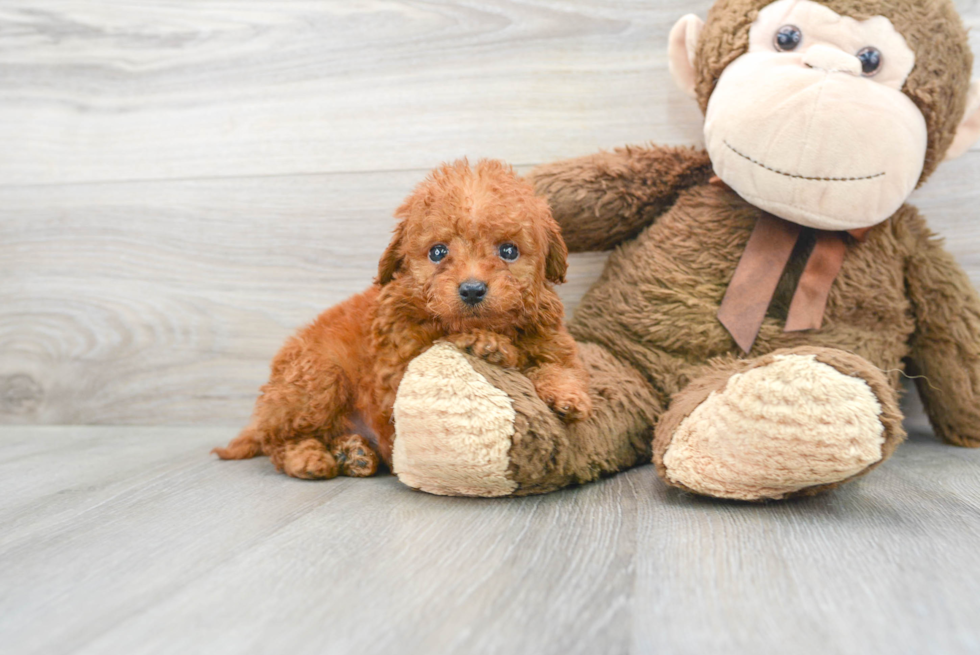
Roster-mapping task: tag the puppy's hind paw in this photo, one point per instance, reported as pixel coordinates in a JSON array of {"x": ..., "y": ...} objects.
[
  {"x": 309, "y": 460},
  {"x": 355, "y": 456},
  {"x": 489, "y": 346}
]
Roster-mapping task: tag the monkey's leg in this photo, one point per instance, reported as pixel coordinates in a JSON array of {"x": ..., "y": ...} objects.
[
  {"x": 468, "y": 428},
  {"x": 794, "y": 422}
]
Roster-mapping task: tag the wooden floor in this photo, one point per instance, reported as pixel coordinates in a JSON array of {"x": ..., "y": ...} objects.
[{"x": 132, "y": 540}]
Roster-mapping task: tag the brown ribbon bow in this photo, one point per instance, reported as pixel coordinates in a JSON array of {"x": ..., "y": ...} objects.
[{"x": 757, "y": 275}]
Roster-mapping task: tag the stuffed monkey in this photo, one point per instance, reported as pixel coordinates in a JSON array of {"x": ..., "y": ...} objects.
[{"x": 763, "y": 296}]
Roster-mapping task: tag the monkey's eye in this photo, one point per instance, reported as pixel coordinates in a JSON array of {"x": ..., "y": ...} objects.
[
  {"x": 870, "y": 61},
  {"x": 438, "y": 252},
  {"x": 508, "y": 252},
  {"x": 788, "y": 38}
]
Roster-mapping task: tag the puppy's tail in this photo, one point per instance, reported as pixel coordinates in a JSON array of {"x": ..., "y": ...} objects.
[{"x": 244, "y": 446}]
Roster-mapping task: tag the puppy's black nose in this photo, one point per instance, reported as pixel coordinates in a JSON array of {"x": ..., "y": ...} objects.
[{"x": 472, "y": 292}]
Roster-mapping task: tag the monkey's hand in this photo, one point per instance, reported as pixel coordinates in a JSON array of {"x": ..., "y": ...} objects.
[{"x": 945, "y": 356}]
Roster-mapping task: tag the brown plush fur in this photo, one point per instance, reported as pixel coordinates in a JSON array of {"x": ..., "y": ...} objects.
[
  {"x": 899, "y": 300},
  {"x": 546, "y": 455},
  {"x": 899, "y": 297},
  {"x": 352, "y": 358}
]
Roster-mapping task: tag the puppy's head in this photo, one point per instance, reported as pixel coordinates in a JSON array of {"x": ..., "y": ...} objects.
[{"x": 478, "y": 247}]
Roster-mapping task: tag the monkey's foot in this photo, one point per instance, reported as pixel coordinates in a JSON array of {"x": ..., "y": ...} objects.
[{"x": 794, "y": 422}]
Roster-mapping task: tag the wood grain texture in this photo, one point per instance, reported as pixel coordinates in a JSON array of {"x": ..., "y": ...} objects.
[
  {"x": 96, "y": 91},
  {"x": 129, "y": 540},
  {"x": 184, "y": 184}
]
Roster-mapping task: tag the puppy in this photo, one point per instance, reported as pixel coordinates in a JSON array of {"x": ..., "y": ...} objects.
[{"x": 472, "y": 261}]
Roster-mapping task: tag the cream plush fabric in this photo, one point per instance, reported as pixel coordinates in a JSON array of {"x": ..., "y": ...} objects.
[
  {"x": 776, "y": 429},
  {"x": 454, "y": 428}
]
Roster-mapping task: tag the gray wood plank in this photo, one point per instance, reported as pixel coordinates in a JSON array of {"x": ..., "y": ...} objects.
[
  {"x": 195, "y": 555},
  {"x": 88, "y": 89},
  {"x": 95, "y": 91},
  {"x": 93, "y": 467}
]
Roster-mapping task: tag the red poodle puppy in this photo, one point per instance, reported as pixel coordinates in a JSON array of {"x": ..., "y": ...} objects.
[{"x": 472, "y": 261}]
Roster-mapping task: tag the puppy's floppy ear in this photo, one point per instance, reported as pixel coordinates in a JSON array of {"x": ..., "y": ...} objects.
[
  {"x": 392, "y": 258},
  {"x": 556, "y": 262}
]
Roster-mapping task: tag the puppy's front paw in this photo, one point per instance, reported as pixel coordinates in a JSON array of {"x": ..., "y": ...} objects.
[
  {"x": 569, "y": 399},
  {"x": 494, "y": 348}
]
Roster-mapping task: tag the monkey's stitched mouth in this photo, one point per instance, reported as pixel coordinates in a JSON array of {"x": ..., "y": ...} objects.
[{"x": 801, "y": 177}]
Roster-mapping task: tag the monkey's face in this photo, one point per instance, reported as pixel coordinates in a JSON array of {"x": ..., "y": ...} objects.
[{"x": 811, "y": 124}]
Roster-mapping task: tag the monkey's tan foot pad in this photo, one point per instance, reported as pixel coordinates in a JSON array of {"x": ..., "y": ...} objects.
[
  {"x": 457, "y": 420},
  {"x": 794, "y": 422}
]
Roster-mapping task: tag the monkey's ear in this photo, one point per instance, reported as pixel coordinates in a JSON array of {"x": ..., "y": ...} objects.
[
  {"x": 969, "y": 130},
  {"x": 556, "y": 263},
  {"x": 392, "y": 258},
  {"x": 682, "y": 51}
]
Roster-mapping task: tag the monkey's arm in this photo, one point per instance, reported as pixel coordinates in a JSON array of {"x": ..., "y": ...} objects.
[
  {"x": 946, "y": 343},
  {"x": 603, "y": 199}
]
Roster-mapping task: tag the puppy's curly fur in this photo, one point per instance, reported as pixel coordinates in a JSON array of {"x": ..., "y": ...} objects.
[{"x": 352, "y": 358}]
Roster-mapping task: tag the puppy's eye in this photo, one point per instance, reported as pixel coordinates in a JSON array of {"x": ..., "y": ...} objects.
[
  {"x": 870, "y": 61},
  {"x": 788, "y": 38},
  {"x": 437, "y": 253},
  {"x": 508, "y": 252}
]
